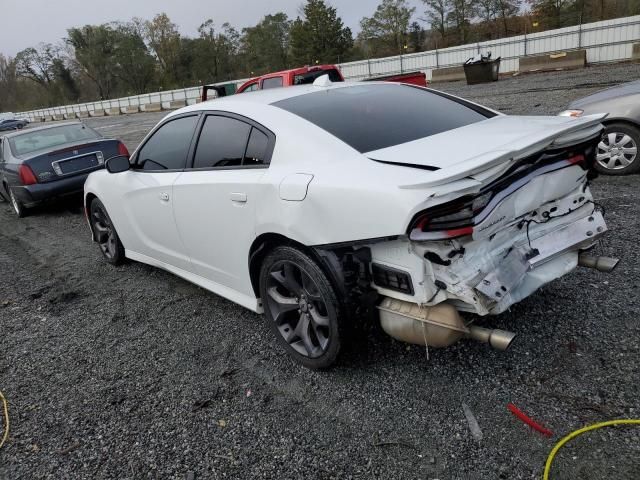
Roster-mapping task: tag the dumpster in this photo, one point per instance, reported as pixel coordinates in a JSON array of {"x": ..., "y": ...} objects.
[{"x": 481, "y": 69}]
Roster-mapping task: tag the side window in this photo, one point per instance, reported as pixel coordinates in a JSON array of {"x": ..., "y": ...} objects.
[
  {"x": 256, "y": 148},
  {"x": 251, "y": 88},
  {"x": 222, "y": 143},
  {"x": 169, "y": 146},
  {"x": 273, "y": 82}
]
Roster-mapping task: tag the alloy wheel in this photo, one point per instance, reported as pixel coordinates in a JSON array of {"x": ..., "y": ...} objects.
[
  {"x": 616, "y": 150},
  {"x": 298, "y": 309},
  {"x": 105, "y": 233}
]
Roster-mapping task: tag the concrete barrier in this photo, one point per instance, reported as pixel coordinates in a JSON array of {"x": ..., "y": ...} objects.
[
  {"x": 635, "y": 52},
  {"x": 112, "y": 111},
  {"x": 56, "y": 118},
  {"x": 553, "y": 61},
  {"x": 151, "y": 107},
  {"x": 82, "y": 114},
  {"x": 447, "y": 74},
  {"x": 66, "y": 116},
  {"x": 96, "y": 113},
  {"x": 129, "y": 109},
  {"x": 177, "y": 104}
]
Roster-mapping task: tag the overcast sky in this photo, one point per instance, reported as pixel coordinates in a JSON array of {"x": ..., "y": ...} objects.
[{"x": 25, "y": 23}]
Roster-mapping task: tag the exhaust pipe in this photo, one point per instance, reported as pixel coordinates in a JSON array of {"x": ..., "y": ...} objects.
[
  {"x": 438, "y": 326},
  {"x": 498, "y": 339},
  {"x": 602, "y": 264}
]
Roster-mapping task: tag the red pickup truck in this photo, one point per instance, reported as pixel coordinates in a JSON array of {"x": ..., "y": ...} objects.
[{"x": 306, "y": 75}]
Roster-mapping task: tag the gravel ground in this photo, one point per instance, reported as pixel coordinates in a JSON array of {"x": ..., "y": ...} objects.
[{"x": 130, "y": 372}]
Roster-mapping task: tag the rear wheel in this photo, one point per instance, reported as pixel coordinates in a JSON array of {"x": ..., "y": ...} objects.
[
  {"x": 105, "y": 233},
  {"x": 618, "y": 150},
  {"x": 19, "y": 209},
  {"x": 301, "y": 307}
]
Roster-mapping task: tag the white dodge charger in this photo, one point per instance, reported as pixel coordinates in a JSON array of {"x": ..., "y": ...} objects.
[{"x": 314, "y": 204}]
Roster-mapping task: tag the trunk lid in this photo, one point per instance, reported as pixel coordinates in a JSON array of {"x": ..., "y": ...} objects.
[
  {"x": 71, "y": 159},
  {"x": 495, "y": 143}
]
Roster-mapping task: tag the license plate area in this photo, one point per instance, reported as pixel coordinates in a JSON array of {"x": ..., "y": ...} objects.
[
  {"x": 518, "y": 262},
  {"x": 78, "y": 164}
]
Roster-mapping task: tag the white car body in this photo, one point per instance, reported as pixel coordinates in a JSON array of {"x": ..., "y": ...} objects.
[{"x": 319, "y": 192}]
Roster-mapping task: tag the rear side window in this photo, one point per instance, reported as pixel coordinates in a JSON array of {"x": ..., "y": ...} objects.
[
  {"x": 371, "y": 117},
  {"x": 169, "y": 146},
  {"x": 273, "y": 82},
  {"x": 222, "y": 143},
  {"x": 256, "y": 148}
]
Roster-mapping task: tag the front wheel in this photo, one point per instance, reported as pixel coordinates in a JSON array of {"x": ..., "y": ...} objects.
[
  {"x": 105, "y": 233},
  {"x": 618, "y": 150},
  {"x": 301, "y": 307}
]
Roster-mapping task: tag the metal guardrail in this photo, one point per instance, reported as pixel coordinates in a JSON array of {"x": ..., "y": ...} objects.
[{"x": 605, "y": 41}]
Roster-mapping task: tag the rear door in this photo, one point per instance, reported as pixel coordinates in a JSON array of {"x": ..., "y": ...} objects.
[
  {"x": 215, "y": 199},
  {"x": 147, "y": 192}
]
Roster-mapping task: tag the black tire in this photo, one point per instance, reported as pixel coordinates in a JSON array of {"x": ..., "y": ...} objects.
[
  {"x": 18, "y": 208},
  {"x": 20, "y": 126},
  {"x": 619, "y": 150},
  {"x": 105, "y": 233},
  {"x": 301, "y": 307}
]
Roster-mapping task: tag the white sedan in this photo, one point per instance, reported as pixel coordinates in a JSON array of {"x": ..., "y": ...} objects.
[{"x": 314, "y": 203}]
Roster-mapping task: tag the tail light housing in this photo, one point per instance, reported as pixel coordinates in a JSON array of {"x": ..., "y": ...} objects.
[
  {"x": 122, "y": 149},
  {"x": 457, "y": 218},
  {"x": 27, "y": 177}
]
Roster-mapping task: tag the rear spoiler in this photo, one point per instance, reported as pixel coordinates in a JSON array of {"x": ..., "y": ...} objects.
[{"x": 583, "y": 129}]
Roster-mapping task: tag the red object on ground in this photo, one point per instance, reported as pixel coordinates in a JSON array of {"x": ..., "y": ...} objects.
[{"x": 533, "y": 424}]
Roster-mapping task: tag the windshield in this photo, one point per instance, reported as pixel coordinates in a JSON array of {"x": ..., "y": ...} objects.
[
  {"x": 29, "y": 142},
  {"x": 371, "y": 117}
]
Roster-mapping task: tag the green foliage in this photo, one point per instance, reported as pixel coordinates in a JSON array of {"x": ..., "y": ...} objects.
[
  {"x": 320, "y": 36},
  {"x": 266, "y": 46},
  {"x": 388, "y": 28}
]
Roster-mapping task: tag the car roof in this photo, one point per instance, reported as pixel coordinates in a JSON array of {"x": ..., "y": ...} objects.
[{"x": 36, "y": 129}]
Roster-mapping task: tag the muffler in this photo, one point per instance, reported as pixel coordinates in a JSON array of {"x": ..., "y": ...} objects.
[
  {"x": 437, "y": 326},
  {"x": 602, "y": 264}
]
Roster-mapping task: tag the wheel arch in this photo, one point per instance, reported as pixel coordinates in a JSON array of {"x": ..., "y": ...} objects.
[
  {"x": 266, "y": 242},
  {"x": 625, "y": 120}
]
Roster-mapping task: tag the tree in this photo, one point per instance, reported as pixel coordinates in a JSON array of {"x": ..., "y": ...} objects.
[
  {"x": 94, "y": 48},
  {"x": 437, "y": 13},
  {"x": 134, "y": 66},
  {"x": 551, "y": 12},
  {"x": 460, "y": 15},
  {"x": 36, "y": 64},
  {"x": 320, "y": 35},
  {"x": 266, "y": 45},
  {"x": 215, "y": 53},
  {"x": 163, "y": 39},
  {"x": 8, "y": 81},
  {"x": 416, "y": 37},
  {"x": 506, "y": 9},
  {"x": 389, "y": 25}
]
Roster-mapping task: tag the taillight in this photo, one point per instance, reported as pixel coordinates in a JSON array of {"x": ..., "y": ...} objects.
[
  {"x": 122, "y": 149},
  {"x": 26, "y": 175}
]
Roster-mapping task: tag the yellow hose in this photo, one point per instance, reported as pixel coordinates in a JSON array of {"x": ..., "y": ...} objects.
[
  {"x": 574, "y": 434},
  {"x": 6, "y": 419}
]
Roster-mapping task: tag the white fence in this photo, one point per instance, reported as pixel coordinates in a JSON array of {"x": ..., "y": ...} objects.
[{"x": 606, "y": 41}]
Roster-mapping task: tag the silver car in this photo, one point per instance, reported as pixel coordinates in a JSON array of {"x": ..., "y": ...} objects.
[{"x": 618, "y": 150}]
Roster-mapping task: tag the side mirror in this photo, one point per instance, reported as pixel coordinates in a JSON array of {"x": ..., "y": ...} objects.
[{"x": 117, "y": 164}]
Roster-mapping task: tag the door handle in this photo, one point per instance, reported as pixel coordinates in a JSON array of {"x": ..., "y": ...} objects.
[
  {"x": 238, "y": 197},
  {"x": 164, "y": 197}
]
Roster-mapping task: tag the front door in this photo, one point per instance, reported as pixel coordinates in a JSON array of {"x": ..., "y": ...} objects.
[{"x": 148, "y": 198}]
